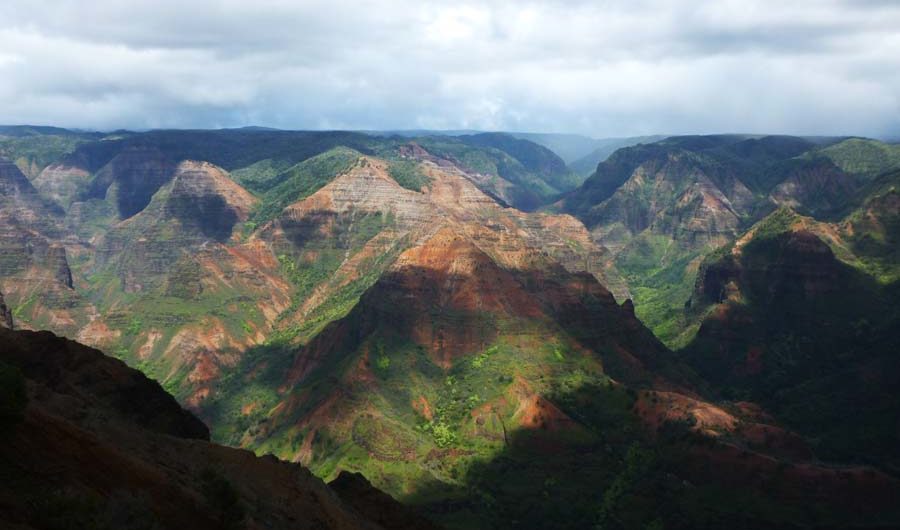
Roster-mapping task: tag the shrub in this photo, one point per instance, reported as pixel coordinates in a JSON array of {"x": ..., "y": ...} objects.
[{"x": 443, "y": 434}]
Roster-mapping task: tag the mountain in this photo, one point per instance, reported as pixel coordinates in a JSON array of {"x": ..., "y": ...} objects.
[
  {"x": 568, "y": 147},
  {"x": 35, "y": 273},
  {"x": 863, "y": 156},
  {"x": 794, "y": 321},
  {"x": 534, "y": 157},
  {"x": 370, "y": 304},
  {"x": 517, "y": 172},
  {"x": 258, "y": 157},
  {"x": 33, "y": 148},
  {"x": 473, "y": 363},
  {"x": 206, "y": 270},
  {"x": 90, "y": 443},
  {"x": 661, "y": 207}
]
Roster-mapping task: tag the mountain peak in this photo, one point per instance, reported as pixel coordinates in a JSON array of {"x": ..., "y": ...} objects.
[{"x": 212, "y": 191}]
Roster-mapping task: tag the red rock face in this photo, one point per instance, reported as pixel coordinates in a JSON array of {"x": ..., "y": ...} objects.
[
  {"x": 320, "y": 223},
  {"x": 449, "y": 275}
]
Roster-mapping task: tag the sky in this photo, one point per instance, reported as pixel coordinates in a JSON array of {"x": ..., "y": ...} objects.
[{"x": 600, "y": 67}]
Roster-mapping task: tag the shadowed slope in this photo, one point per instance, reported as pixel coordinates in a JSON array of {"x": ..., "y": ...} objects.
[{"x": 99, "y": 445}]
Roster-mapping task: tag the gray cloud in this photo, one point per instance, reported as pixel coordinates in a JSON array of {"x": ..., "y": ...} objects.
[{"x": 596, "y": 67}]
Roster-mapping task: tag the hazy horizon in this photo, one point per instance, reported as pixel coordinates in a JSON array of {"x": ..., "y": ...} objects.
[{"x": 448, "y": 132}]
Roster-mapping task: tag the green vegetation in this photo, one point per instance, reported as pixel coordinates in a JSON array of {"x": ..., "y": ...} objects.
[
  {"x": 34, "y": 152},
  {"x": 815, "y": 353},
  {"x": 262, "y": 176},
  {"x": 661, "y": 279},
  {"x": 863, "y": 156},
  {"x": 302, "y": 180},
  {"x": 529, "y": 190},
  {"x": 638, "y": 464},
  {"x": 526, "y": 428},
  {"x": 408, "y": 174},
  {"x": 535, "y": 158}
]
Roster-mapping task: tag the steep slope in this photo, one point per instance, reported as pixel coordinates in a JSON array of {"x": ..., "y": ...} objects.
[
  {"x": 376, "y": 309},
  {"x": 34, "y": 268},
  {"x": 338, "y": 240},
  {"x": 521, "y": 172},
  {"x": 805, "y": 333},
  {"x": 534, "y": 157},
  {"x": 204, "y": 270},
  {"x": 198, "y": 205},
  {"x": 179, "y": 292},
  {"x": 817, "y": 187},
  {"x": 474, "y": 361},
  {"x": 659, "y": 180},
  {"x": 660, "y": 208},
  {"x": 491, "y": 161},
  {"x": 131, "y": 178},
  {"x": 34, "y": 148},
  {"x": 871, "y": 231},
  {"x": 456, "y": 382},
  {"x": 95, "y": 444},
  {"x": 863, "y": 156}
]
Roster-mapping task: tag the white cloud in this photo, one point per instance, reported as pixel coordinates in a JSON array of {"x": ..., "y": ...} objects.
[{"x": 602, "y": 68}]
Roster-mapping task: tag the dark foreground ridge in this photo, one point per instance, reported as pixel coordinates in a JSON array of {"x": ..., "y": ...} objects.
[{"x": 86, "y": 442}]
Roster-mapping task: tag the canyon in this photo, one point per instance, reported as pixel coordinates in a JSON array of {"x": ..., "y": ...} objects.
[{"x": 464, "y": 323}]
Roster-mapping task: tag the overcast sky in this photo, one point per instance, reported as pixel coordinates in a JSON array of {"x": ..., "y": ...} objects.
[{"x": 603, "y": 68}]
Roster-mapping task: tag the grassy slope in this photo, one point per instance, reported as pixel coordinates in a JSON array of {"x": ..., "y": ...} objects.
[
  {"x": 33, "y": 152},
  {"x": 863, "y": 156}
]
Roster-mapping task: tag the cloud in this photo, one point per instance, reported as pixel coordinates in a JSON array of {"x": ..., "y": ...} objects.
[{"x": 595, "y": 67}]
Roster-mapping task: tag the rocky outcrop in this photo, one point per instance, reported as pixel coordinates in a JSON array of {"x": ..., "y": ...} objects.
[
  {"x": 182, "y": 250},
  {"x": 22, "y": 208},
  {"x": 205, "y": 199},
  {"x": 660, "y": 208},
  {"x": 363, "y": 219},
  {"x": 198, "y": 207}
]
